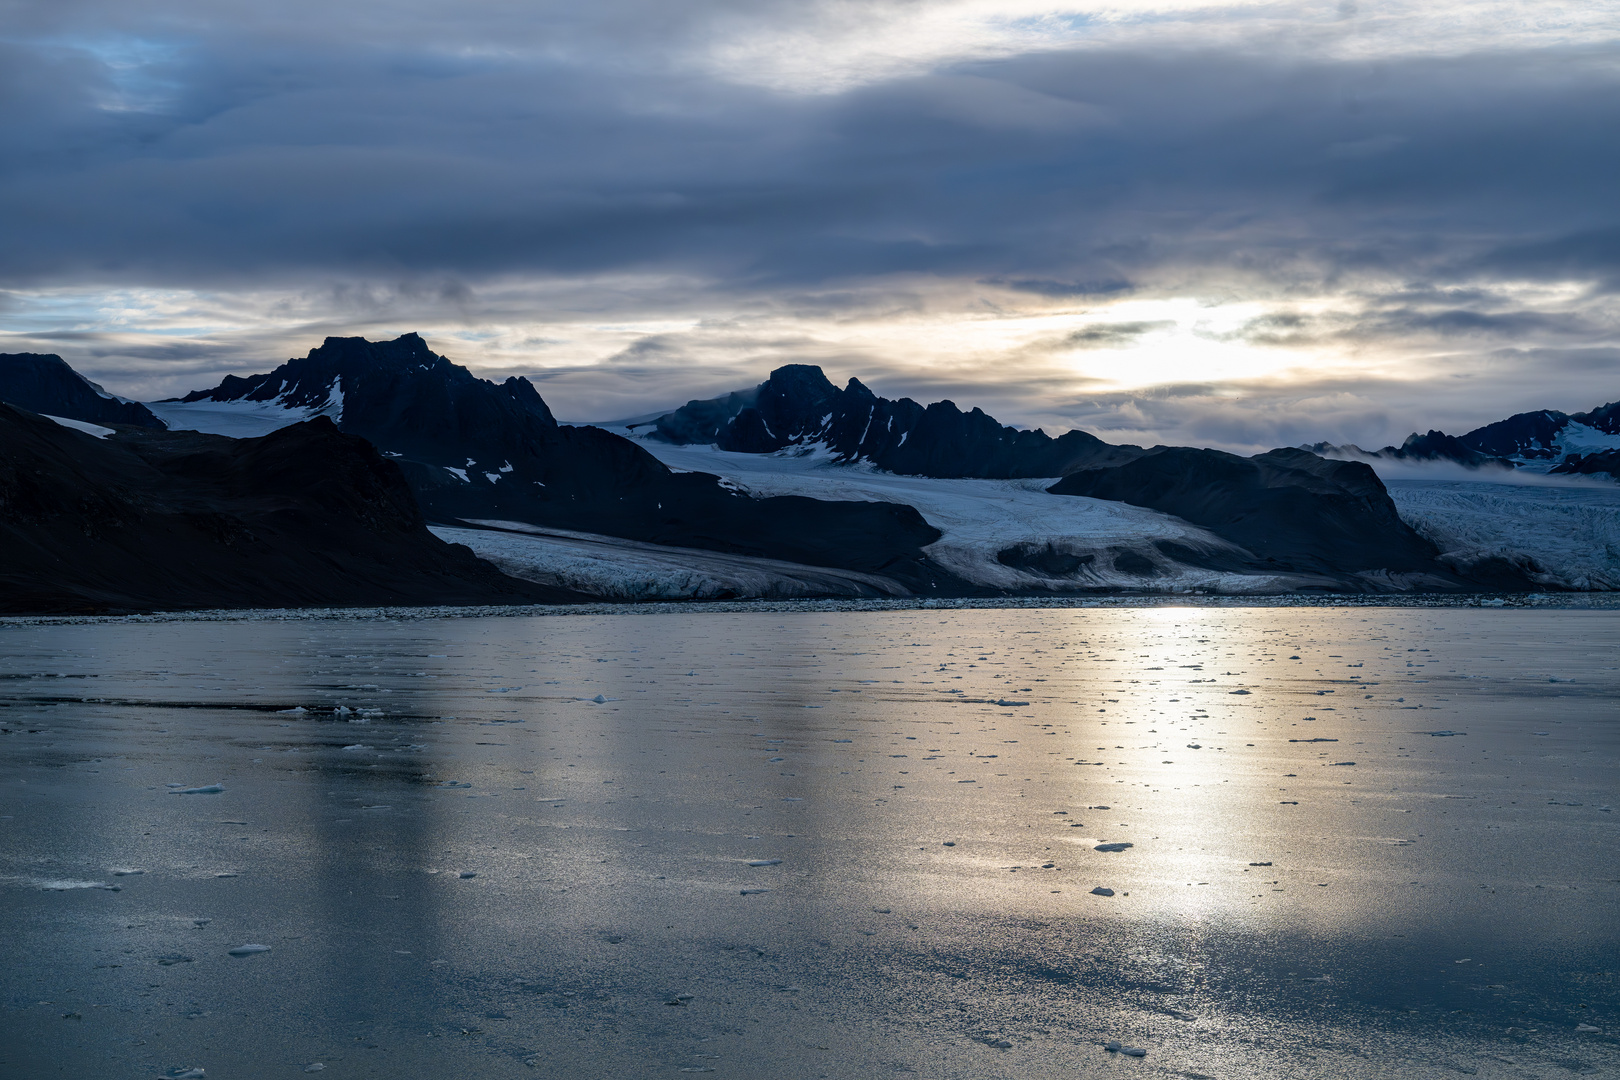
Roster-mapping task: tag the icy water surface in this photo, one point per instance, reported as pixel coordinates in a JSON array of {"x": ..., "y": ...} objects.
[{"x": 1340, "y": 843}]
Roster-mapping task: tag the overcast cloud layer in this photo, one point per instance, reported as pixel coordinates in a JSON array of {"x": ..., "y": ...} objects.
[{"x": 1232, "y": 225}]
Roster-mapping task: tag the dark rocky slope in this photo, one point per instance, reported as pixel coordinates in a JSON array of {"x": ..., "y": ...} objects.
[
  {"x": 44, "y": 383},
  {"x": 799, "y": 406},
  {"x": 473, "y": 449},
  {"x": 141, "y": 520},
  {"x": 1606, "y": 463},
  {"x": 1294, "y": 511}
]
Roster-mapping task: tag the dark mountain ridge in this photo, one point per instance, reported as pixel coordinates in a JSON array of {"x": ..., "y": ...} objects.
[
  {"x": 44, "y": 383},
  {"x": 172, "y": 520},
  {"x": 799, "y": 406},
  {"x": 1530, "y": 439}
]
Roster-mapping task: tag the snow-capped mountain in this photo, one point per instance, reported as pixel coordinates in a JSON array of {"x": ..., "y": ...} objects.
[
  {"x": 1544, "y": 442},
  {"x": 477, "y": 450},
  {"x": 799, "y": 407},
  {"x": 45, "y": 384},
  {"x": 1090, "y": 515},
  {"x": 797, "y": 488}
]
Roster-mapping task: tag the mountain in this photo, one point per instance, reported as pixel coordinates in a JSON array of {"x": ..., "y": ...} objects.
[
  {"x": 1282, "y": 521},
  {"x": 1543, "y": 441},
  {"x": 1294, "y": 511},
  {"x": 472, "y": 449},
  {"x": 798, "y": 406},
  {"x": 146, "y": 520},
  {"x": 44, "y": 383}
]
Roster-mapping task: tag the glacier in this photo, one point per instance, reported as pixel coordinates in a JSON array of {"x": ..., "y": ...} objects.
[{"x": 1569, "y": 529}]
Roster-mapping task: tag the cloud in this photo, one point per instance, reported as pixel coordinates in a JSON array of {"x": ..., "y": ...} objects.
[
  {"x": 639, "y": 202},
  {"x": 1111, "y": 335}
]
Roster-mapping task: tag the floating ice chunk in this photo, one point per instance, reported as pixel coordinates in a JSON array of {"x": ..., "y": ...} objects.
[
  {"x": 949, "y": 843},
  {"x": 1259, "y": 864},
  {"x": 1004, "y": 703},
  {"x": 127, "y": 873},
  {"x": 764, "y": 862},
  {"x": 1237, "y": 691},
  {"x": 843, "y": 740},
  {"x": 1444, "y": 734},
  {"x": 187, "y": 1074},
  {"x": 452, "y": 784},
  {"x": 1340, "y": 763},
  {"x": 249, "y": 950},
  {"x": 599, "y": 699},
  {"x": 296, "y": 709},
  {"x": 1102, "y": 891},
  {"x": 1586, "y": 1027},
  {"x": 751, "y": 892},
  {"x": 206, "y": 789},
  {"x": 357, "y": 746},
  {"x": 314, "y": 1066},
  {"x": 1117, "y": 846},
  {"x": 468, "y": 874}
]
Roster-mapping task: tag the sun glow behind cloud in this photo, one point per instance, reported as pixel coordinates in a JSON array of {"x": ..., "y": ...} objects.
[{"x": 1101, "y": 365}]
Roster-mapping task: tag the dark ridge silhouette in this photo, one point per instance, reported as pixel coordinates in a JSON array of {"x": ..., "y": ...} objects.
[
  {"x": 44, "y": 383},
  {"x": 158, "y": 520},
  {"x": 1438, "y": 446},
  {"x": 799, "y": 406}
]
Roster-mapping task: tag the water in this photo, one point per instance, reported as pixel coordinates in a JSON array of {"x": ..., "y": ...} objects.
[{"x": 480, "y": 870}]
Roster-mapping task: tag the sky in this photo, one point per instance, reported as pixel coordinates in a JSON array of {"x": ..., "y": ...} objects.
[{"x": 1239, "y": 225}]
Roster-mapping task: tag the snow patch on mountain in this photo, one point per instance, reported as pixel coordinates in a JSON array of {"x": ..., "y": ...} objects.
[
  {"x": 1577, "y": 438},
  {"x": 239, "y": 419},
  {"x": 1570, "y": 529},
  {"x": 81, "y": 425}
]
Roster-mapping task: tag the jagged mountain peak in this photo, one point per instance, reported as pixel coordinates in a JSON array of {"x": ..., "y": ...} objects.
[
  {"x": 341, "y": 367},
  {"x": 798, "y": 406},
  {"x": 401, "y": 395}
]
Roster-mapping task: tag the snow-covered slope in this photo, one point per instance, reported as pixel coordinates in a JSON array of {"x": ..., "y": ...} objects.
[
  {"x": 631, "y": 570},
  {"x": 1571, "y": 529},
  {"x": 1006, "y": 534},
  {"x": 237, "y": 419},
  {"x": 80, "y": 425}
]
